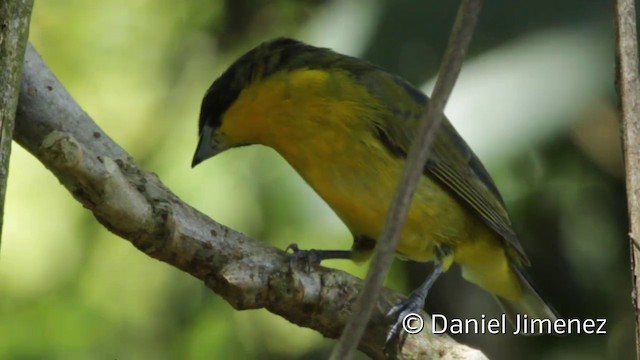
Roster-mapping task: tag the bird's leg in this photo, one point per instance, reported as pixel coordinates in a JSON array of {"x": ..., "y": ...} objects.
[
  {"x": 314, "y": 257},
  {"x": 361, "y": 250},
  {"x": 415, "y": 302}
]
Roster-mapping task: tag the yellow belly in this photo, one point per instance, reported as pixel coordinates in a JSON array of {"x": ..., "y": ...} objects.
[{"x": 358, "y": 180}]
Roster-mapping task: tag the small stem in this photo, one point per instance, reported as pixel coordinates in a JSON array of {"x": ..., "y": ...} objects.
[{"x": 629, "y": 107}]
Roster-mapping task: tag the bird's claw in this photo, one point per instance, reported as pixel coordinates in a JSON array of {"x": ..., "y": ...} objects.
[
  {"x": 395, "y": 336},
  {"x": 307, "y": 257}
]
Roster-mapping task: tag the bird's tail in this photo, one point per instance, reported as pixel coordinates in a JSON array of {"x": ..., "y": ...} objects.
[{"x": 529, "y": 306}]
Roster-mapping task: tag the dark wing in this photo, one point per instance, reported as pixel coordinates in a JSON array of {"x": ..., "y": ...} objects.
[
  {"x": 451, "y": 161},
  {"x": 461, "y": 171}
]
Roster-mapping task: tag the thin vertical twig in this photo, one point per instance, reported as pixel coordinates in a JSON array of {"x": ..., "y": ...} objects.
[
  {"x": 628, "y": 90},
  {"x": 459, "y": 40},
  {"x": 14, "y": 29}
]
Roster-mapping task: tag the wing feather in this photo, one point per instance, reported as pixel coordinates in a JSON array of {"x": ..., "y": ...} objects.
[{"x": 451, "y": 162}]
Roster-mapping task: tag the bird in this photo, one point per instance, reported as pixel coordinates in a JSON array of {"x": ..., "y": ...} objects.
[{"x": 345, "y": 126}]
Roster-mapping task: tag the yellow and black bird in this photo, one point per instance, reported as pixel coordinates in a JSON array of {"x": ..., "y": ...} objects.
[{"x": 345, "y": 126}]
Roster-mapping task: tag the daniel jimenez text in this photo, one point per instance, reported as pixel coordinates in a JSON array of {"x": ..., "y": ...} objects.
[{"x": 523, "y": 325}]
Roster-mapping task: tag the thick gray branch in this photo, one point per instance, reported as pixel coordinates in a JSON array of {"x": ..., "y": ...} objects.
[
  {"x": 14, "y": 31},
  {"x": 135, "y": 205}
]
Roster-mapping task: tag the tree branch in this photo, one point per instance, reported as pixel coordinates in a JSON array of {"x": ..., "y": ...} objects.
[
  {"x": 135, "y": 205},
  {"x": 628, "y": 90},
  {"x": 14, "y": 31},
  {"x": 461, "y": 34}
]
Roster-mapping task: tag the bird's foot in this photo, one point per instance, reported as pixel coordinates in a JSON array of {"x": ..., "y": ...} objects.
[
  {"x": 402, "y": 315},
  {"x": 313, "y": 257},
  {"x": 306, "y": 258}
]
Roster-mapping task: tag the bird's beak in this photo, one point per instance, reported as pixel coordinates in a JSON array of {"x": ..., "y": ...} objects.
[{"x": 206, "y": 147}]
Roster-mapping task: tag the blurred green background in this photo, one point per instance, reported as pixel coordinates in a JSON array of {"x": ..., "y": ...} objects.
[{"x": 535, "y": 100}]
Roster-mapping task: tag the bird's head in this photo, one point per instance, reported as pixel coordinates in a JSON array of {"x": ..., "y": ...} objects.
[
  {"x": 216, "y": 128},
  {"x": 232, "y": 107}
]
